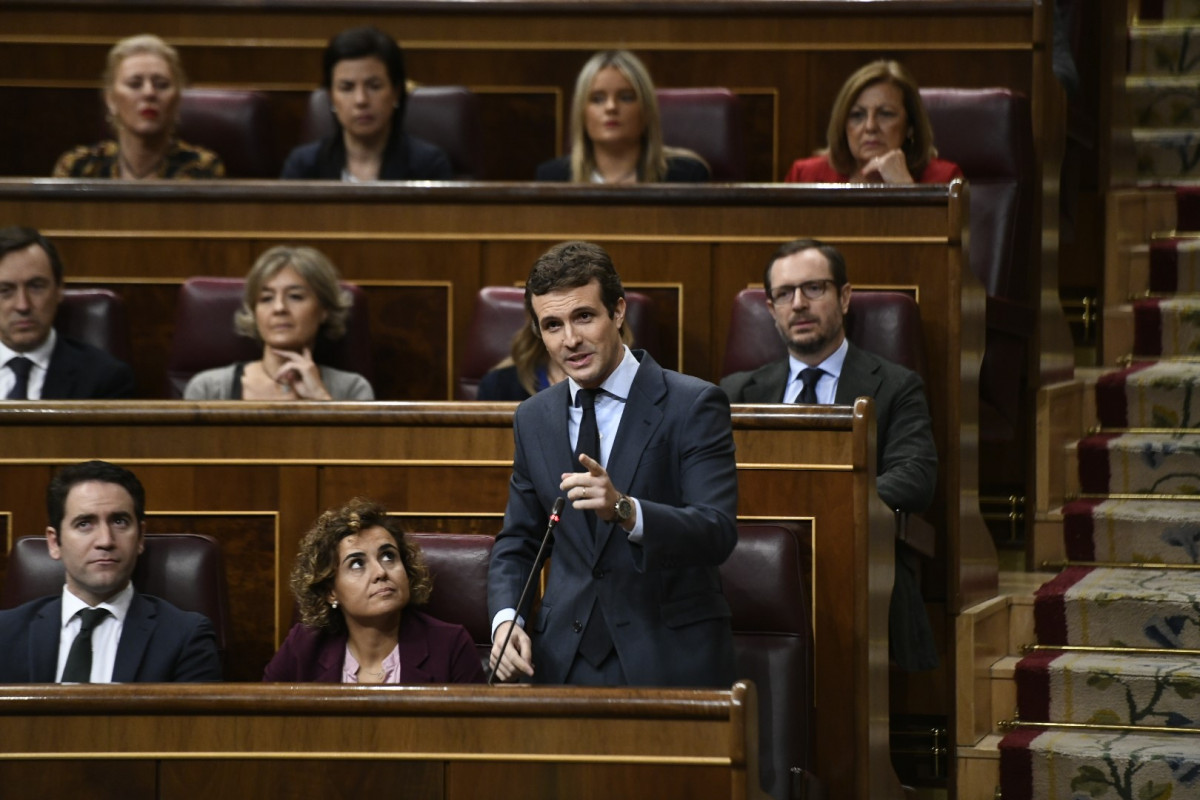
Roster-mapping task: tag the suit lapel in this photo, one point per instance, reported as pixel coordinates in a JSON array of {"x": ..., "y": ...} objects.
[
  {"x": 768, "y": 384},
  {"x": 859, "y": 378},
  {"x": 639, "y": 421},
  {"x": 135, "y": 636},
  {"x": 414, "y": 650},
  {"x": 58, "y": 375},
  {"x": 44, "y": 634}
]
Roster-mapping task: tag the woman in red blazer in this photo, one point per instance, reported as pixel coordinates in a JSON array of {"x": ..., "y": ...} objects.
[
  {"x": 878, "y": 133},
  {"x": 355, "y": 580}
]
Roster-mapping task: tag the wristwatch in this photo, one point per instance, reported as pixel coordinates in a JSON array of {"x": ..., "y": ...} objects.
[{"x": 623, "y": 508}]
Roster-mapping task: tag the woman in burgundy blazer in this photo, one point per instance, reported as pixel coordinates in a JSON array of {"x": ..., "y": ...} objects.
[
  {"x": 878, "y": 133},
  {"x": 355, "y": 579}
]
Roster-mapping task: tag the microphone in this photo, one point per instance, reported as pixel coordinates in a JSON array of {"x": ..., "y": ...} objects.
[{"x": 559, "y": 502}]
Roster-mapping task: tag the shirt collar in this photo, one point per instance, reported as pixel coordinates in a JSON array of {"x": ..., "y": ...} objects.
[
  {"x": 831, "y": 366},
  {"x": 117, "y": 605},
  {"x": 620, "y": 380},
  {"x": 40, "y": 355}
]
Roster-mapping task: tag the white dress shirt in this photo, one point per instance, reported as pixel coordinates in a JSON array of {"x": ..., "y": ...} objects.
[
  {"x": 105, "y": 636},
  {"x": 826, "y": 386}
]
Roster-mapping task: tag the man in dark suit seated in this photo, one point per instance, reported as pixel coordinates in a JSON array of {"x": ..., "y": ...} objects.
[
  {"x": 35, "y": 362},
  {"x": 644, "y": 457},
  {"x": 808, "y": 294},
  {"x": 100, "y": 629}
]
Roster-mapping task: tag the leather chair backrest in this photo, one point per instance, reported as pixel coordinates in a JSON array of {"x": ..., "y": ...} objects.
[
  {"x": 887, "y": 324},
  {"x": 204, "y": 336},
  {"x": 185, "y": 569},
  {"x": 447, "y": 116},
  {"x": 96, "y": 317},
  {"x": 766, "y": 582},
  {"x": 500, "y": 313},
  {"x": 236, "y": 125},
  {"x": 458, "y": 563},
  {"x": 988, "y": 133},
  {"x": 708, "y": 121}
]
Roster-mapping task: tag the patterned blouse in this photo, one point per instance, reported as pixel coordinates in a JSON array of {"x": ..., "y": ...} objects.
[{"x": 184, "y": 161}]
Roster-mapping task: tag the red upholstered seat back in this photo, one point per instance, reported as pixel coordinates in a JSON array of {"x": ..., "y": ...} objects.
[
  {"x": 459, "y": 565},
  {"x": 185, "y": 569},
  {"x": 766, "y": 583},
  {"x": 447, "y": 116},
  {"x": 204, "y": 336},
  {"x": 885, "y": 323},
  {"x": 708, "y": 121},
  {"x": 500, "y": 313},
  {"x": 96, "y": 317}
]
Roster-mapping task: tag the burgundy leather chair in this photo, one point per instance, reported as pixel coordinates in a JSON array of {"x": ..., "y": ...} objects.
[
  {"x": 887, "y": 324},
  {"x": 184, "y": 569},
  {"x": 447, "y": 116},
  {"x": 766, "y": 582},
  {"x": 500, "y": 313},
  {"x": 988, "y": 133},
  {"x": 458, "y": 563},
  {"x": 204, "y": 336},
  {"x": 233, "y": 123},
  {"x": 96, "y": 317},
  {"x": 709, "y": 121}
]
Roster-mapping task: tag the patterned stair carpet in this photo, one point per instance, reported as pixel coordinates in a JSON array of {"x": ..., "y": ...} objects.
[
  {"x": 1132, "y": 531},
  {"x": 1140, "y": 463},
  {"x": 1105, "y": 689},
  {"x": 1119, "y": 607},
  {"x": 1150, "y": 395},
  {"x": 1166, "y": 326},
  {"x": 1175, "y": 10},
  {"x": 1067, "y": 765},
  {"x": 1175, "y": 262},
  {"x": 1161, "y": 93}
]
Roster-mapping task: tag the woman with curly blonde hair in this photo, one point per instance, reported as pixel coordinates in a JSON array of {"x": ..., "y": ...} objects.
[{"x": 354, "y": 579}]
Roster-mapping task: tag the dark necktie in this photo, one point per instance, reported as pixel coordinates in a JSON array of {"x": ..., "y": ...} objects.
[
  {"x": 20, "y": 365},
  {"x": 589, "y": 439},
  {"x": 79, "y": 660},
  {"x": 809, "y": 377},
  {"x": 596, "y": 642}
]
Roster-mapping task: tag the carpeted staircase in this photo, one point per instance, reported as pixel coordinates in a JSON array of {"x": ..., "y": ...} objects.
[{"x": 1114, "y": 678}]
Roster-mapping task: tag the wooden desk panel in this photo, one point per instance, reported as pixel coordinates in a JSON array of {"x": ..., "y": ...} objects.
[
  {"x": 247, "y": 741},
  {"x": 234, "y": 470}
]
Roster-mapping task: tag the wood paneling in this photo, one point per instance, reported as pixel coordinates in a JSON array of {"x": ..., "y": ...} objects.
[
  {"x": 236, "y": 470},
  {"x": 786, "y": 60}
]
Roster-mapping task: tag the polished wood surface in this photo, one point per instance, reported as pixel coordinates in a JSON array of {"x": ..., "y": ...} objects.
[
  {"x": 247, "y": 472},
  {"x": 450, "y": 742},
  {"x": 784, "y": 59},
  {"x": 422, "y": 253}
]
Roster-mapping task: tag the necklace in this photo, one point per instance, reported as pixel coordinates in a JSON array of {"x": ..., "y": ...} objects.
[{"x": 127, "y": 169}]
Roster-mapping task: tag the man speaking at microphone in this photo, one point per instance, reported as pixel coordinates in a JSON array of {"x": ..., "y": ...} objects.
[{"x": 644, "y": 457}]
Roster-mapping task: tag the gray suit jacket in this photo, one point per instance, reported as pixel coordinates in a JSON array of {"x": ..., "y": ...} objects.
[
  {"x": 662, "y": 599},
  {"x": 159, "y": 643},
  {"x": 217, "y": 384},
  {"x": 906, "y": 470}
]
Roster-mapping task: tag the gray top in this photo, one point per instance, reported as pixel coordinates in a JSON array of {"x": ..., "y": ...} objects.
[{"x": 218, "y": 384}]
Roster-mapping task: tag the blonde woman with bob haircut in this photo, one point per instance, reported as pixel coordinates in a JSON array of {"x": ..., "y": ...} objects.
[
  {"x": 143, "y": 86},
  {"x": 292, "y": 296},
  {"x": 616, "y": 132},
  {"x": 878, "y": 132}
]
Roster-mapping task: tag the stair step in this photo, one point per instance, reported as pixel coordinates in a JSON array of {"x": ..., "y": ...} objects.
[
  {"x": 1164, "y": 49},
  {"x": 1116, "y": 607},
  {"x": 1133, "y": 531},
  {"x": 1166, "y": 154},
  {"x": 1067, "y": 765},
  {"x": 1140, "y": 463},
  {"x": 1109, "y": 689},
  {"x": 1161, "y": 102}
]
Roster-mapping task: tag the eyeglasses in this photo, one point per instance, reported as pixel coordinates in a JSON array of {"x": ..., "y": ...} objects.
[{"x": 813, "y": 290}]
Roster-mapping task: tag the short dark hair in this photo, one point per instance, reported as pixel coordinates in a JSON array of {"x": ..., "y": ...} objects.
[
  {"x": 317, "y": 561},
  {"x": 368, "y": 41},
  {"x": 70, "y": 476},
  {"x": 837, "y": 262},
  {"x": 14, "y": 238},
  {"x": 568, "y": 266}
]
